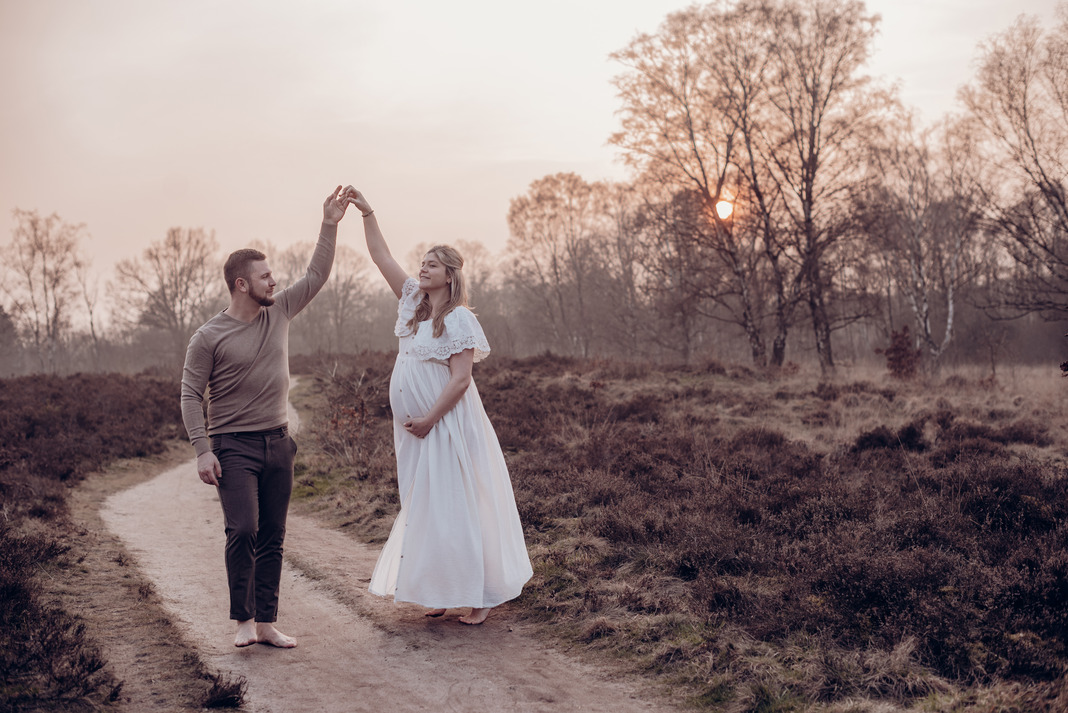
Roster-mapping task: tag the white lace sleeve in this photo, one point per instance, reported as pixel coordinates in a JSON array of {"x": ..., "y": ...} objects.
[
  {"x": 462, "y": 331},
  {"x": 409, "y": 300}
]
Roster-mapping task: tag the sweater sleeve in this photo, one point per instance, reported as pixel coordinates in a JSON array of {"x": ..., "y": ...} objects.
[
  {"x": 297, "y": 296},
  {"x": 195, "y": 375}
]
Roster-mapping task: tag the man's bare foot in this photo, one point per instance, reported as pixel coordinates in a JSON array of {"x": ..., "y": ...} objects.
[
  {"x": 246, "y": 633},
  {"x": 435, "y": 612},
  {"x": 267, "y": 634},
  {"x": 477, "y": 616}
]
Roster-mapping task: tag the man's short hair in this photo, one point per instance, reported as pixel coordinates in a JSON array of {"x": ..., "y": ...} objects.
[{"x": 239, "y": 264}]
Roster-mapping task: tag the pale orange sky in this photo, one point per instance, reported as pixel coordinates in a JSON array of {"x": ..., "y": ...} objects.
[{"x": 134, "y": 116}]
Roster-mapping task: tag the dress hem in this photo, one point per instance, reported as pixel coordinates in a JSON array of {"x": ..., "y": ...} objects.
[{"x": 446, "y": 606}]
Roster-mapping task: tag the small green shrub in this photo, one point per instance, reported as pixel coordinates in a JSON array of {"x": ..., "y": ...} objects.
[{"x": 902, "y": 359}]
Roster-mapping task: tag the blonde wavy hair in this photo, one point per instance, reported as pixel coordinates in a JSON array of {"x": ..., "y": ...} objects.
[{"x": 453, "y": 262}]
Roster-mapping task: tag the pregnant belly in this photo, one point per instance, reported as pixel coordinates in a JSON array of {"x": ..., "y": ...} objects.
[{"x": 415, "y": 387}]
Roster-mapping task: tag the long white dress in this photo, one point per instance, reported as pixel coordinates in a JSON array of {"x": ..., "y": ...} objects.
[{"x": 457, "y": 541}]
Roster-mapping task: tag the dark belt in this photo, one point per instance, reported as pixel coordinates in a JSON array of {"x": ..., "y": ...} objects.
[{"x": 280, "y": 431}]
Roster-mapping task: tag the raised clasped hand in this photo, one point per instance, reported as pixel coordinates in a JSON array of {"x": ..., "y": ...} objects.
[
  {"x": 353, "y": 196},
  {"x": 334, "y": 206}
]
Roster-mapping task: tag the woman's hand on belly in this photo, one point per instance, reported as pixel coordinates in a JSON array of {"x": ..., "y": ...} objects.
[
  {"x": 418, "y": 427},
  {"x": 459, "y": 379}
]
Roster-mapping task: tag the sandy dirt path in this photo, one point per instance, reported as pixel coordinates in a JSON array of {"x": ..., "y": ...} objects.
[{"x": 356, "y": 652}]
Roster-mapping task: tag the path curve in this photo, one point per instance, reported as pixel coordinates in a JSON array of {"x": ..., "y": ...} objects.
[{"x": 356, "y": 651}]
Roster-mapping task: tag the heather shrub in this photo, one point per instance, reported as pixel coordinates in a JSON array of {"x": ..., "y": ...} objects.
[
  {"x": 909, "y": 437},
  {"x": 967, "y": 450},
  {"x": 226, "y": 691},
  {"x": 670, "y": 521},
  {"x": 54, "y": 430},
  {"x": 63, "y": 427},
  {"x": 358, "y": 401},
  {"x": 1025, "y": 431},
  {"x": 45, "y": 654}
]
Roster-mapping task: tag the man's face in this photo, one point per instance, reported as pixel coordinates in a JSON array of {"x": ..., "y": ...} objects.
[{"x": 261, "y": 283}]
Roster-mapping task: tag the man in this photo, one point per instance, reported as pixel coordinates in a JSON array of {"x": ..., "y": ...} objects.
[{"x": 240, "y": 358}]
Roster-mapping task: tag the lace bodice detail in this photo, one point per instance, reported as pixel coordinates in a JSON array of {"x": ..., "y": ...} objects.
[{"x": 462, "y": 330}]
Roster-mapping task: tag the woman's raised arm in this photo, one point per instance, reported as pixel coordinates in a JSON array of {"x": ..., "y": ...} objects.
[{"x": 376, "y": 243}]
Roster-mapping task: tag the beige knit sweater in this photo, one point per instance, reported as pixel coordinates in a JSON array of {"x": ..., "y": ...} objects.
[{"x": 244, "y": 366}]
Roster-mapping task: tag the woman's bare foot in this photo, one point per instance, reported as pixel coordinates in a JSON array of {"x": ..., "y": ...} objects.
[
  {"x": 477, "y": 616},
  {"x": 267, "y": 634},
  {"x": 246, "y": 633},
  {"x": 435, "y": 612}
]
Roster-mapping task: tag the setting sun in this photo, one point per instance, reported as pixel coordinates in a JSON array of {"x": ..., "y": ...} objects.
[{"x": 724, "y": 209}]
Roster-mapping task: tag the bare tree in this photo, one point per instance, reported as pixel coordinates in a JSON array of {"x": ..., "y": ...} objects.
[
  {"x": 42, "y": 261},
  {"x": 344, "y": 297},
  {"x": 627, "y": 279},
  {"x": 822, "y": 111},
  {"x": 9, "y": 344},
  {"x": 173, "y": 287},
  {"x": 555, "y": 230},
  {"x": 921, "y": 208},
  {"x": 760, "y": 102},
  {"x": 336, "y": 321},
  {"x": 681, "y": 131},
  {"x": 1020, "y": 101},
  {"x": 89, "y": 289},
  {"x": 684, "y": 271}
]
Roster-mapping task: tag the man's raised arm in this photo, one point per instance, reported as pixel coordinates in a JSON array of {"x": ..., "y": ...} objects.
[{"x": 297, "y": 296}]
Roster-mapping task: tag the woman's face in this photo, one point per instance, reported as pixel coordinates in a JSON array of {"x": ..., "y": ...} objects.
[{"x": 432, "y": 273}]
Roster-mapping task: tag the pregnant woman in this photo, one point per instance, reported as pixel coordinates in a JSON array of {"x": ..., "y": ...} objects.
[{"x": 457, "y": 541}]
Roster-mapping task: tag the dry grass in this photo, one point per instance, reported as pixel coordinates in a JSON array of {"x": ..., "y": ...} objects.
[
  {"x": 773, "y": 542},
  {"x": 53, "y": 432}
]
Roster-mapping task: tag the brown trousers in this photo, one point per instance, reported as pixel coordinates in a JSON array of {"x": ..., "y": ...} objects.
[{"x": 256, "y": 482}]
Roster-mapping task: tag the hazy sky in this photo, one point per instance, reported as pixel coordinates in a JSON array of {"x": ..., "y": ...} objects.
[{"x": 134, "y": 116}]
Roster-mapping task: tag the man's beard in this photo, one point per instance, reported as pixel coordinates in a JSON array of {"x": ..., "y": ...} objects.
[{"x": 263, "y": 299}]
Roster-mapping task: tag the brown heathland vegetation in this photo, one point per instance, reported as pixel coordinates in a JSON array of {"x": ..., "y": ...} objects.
[
  {"x": 80, "y": 628},
  {"x": 767, "y": 542},
  {"x": 772, "y": 542}
]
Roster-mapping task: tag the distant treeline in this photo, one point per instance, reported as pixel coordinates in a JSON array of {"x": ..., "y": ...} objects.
[{"x": 783, "y": 206}]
